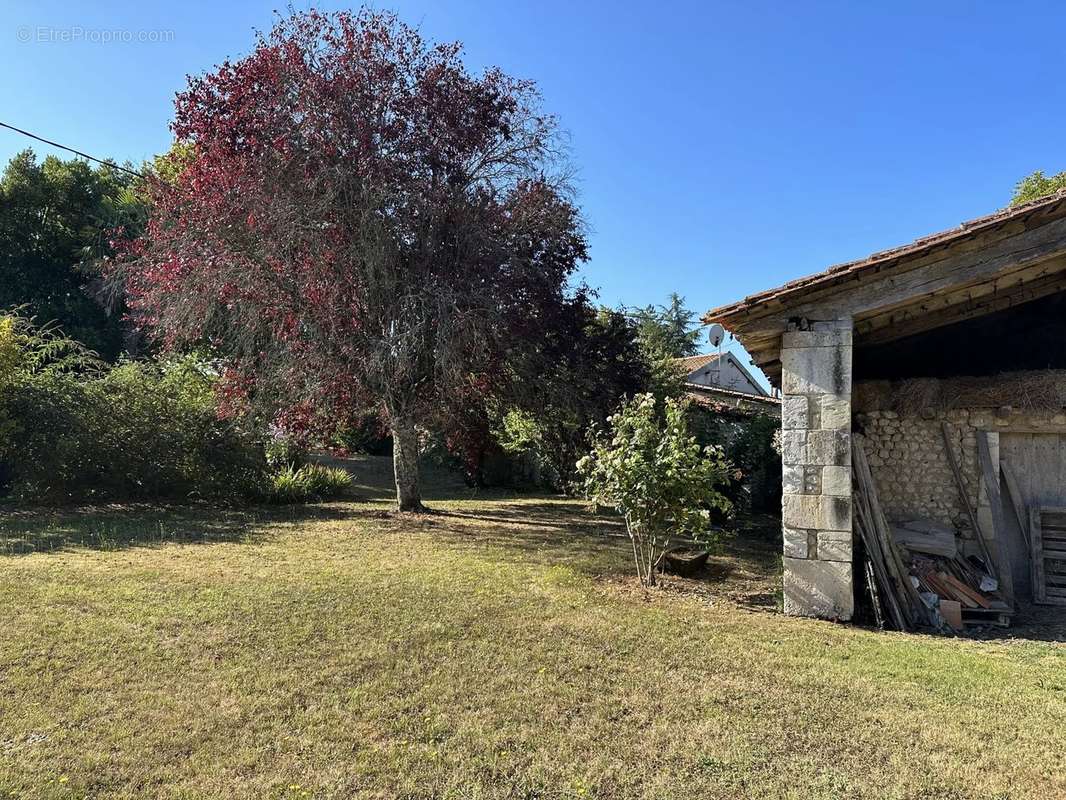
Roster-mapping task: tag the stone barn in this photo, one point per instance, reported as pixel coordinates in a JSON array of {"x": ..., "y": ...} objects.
[{"x": 945, "y": 361}]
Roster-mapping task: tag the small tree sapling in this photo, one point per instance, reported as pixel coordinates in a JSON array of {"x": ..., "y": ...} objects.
[{"x": 654, "y": 473}]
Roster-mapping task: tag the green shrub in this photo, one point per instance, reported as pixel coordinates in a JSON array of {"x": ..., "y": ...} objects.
[
  {"x": 366, "y": 433},
  {"x": 528, "y": 455},
  {"x": 652, "y": 471},
  {"x": 141, "y": 431},
  {"x": 308, "y": 483},
  {"x": 285, "y": 451},
  {"x": 749, "y": 444},
  {"x": 164, "y": 435},
  {"x": 72, "y": 430}
]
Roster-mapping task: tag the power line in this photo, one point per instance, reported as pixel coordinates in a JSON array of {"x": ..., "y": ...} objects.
[
  {"x": 639, "y": 315},
  {"x": 111, "y": 164}
]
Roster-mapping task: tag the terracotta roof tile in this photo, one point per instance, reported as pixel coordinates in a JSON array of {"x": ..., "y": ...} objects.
[{"x": 693, "y": 363}]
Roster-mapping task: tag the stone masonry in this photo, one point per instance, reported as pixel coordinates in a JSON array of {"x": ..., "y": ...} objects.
[
  {"x": 910, "y": 466},
  {"x": 816, "y": 458}
]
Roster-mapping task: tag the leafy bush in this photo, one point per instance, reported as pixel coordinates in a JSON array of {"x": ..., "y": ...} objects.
[
  {"x": 751, "y": 445},
  {"x": 165, "y": 436},
  {"x": 756, "y": 453},
  {"x": 527, "y": 447},
  {"x": 653, "y": 472},
  {"x": 73, "y": 431},
  {"x": 308, "y": 483},
  {"x": 285, "y": 451},
  {"x": 139, "y": 431},
  {"x": 365, "y": 433}
]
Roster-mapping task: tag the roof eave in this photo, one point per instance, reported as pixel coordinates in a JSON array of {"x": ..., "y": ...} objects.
[{"x": 795, "y": 292}]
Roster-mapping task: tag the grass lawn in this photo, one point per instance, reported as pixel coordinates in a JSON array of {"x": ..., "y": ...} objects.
[{"x": 497, "y": 649}]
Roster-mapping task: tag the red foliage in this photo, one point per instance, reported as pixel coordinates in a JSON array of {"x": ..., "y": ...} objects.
[{"x": 360, "y": 220}]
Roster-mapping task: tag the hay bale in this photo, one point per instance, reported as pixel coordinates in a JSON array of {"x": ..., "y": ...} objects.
[{"x": 1037, "y": 390}]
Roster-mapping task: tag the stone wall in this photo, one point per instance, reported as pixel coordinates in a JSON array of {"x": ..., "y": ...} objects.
[
  {"x": 910, "y": 464},
  {"x": 906, "y": 452},
  {"x": 816, "y": 477},
  {"x": 908, "y": 460}
]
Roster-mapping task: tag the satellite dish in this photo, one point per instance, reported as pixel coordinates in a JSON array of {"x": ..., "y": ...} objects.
[{"x": 716, "y": 334}]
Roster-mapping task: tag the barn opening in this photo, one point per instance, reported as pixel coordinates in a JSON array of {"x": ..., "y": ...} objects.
[{"x": 924, "y": 425}]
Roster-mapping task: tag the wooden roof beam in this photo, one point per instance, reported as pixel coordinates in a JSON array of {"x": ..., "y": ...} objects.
[
  {"x": 943, "y": 308},
  {"x": 953, "y": 270},
  {"x": 979, "y": 306}
]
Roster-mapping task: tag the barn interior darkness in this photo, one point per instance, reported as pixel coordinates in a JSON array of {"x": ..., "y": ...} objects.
[{"x": 1029, "y": 336}]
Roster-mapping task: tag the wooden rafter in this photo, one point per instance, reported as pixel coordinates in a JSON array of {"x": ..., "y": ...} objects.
[
  {"x": 988, "y": 265},
  {"x": 969, "y": 237},
  {"x": 976, "y": 300}
]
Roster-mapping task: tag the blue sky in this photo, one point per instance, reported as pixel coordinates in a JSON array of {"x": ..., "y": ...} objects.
[{"x": 721, "y": 148}]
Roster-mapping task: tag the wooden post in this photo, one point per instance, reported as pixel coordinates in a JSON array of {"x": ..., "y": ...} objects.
[{"x": 988, "y": 473}]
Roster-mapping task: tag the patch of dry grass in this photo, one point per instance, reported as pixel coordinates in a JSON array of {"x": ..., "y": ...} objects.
[{"x": 494, "y": 650}]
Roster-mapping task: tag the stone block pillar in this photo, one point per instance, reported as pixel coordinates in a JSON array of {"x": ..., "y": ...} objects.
[{"x": 816, "y": 458}]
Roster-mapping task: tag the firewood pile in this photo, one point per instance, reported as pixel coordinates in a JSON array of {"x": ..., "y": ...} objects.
[{"x": 916, "y": 574}]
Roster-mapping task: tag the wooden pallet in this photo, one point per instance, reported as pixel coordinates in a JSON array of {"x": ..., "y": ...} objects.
[
  {"x": 1047, "y": 533},
  {"x": 1000, "y": 618}
]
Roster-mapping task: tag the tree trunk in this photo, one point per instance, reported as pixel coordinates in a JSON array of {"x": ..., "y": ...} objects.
[{"x": 405, "y": 465}]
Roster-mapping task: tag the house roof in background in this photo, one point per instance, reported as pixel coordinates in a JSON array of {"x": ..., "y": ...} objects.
[
  {"x": 693, "y": 363},
  {"x": 718, "y": 397}
]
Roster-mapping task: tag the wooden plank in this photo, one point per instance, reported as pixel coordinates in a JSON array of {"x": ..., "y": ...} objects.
[
  {"x": 991, "y": 479},
  {"x": 1036, "y": 542},
  {"x": 875, "y": 596},
  {"x": 951, "y": 611},
  {"x": 966, "y": 572},
  {"x": 935, "y": 586},
  {"x": 1016, "y": 458},
  {"x": 979, "y": 616},
  {"x": 875, "y": 556},
  {"x": 915, "y": 606},
  {"x": 946, "y": 590},
  {"x": 864, "y": 517},
  {"x": 936, "y": 310},
  {"x": 892, "y": 583},
  {"x": 960, "y": 484},
  {"x": 851, "y": 296},
  {"x": 887, "y": 590},
  {"x": 1017, "y": 499},
  {"x": 962, "y": 589}
]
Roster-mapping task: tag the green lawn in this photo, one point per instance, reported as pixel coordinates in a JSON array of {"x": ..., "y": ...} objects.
[{"x": 495, "y": 650}]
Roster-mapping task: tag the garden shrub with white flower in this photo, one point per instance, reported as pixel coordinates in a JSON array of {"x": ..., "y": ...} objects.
[{"x": 649, "y": 468}]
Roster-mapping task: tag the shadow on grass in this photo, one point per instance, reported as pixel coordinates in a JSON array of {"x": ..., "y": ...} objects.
[
  {"x": 120, "y": 526},
  {"x": 534, "y": 528},
  {"x": 550, "y": 533},
  {"x": 116, "y": 526},
  {"x": 745, "y": 565},
  {"x": 372, "y": 478}
]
